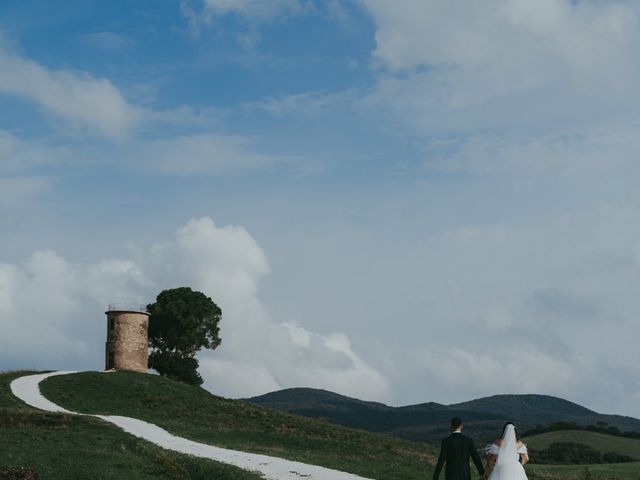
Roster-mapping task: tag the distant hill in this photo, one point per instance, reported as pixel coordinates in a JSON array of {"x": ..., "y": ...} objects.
[
  {"x": 428, "y": 422},
  {"x": 529, "y": 408}
]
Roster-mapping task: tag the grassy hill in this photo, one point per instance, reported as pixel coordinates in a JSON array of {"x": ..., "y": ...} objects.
[
  {"x": 597, "y": 441},
  {"x": 64, "y": 447},
  {"x": 196, "y": 414},
  {"x": 428, "y": 422}
]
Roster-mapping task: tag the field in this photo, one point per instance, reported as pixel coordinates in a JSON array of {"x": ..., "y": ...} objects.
[
  {"x": 597, "y": 441},
  {"x": 620, "y": 471}
]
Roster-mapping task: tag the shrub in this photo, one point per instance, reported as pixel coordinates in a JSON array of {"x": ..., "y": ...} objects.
[{"x": 18, "y": 473}]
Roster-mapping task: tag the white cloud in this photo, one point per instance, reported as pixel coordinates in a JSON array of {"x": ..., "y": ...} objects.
[
  {"x": 227, "y": 264},
  {"x": 305, "y": 104},
  {"x": 16, "y": 191},
  {"x": 449, "y": 371},
  {"x": 88, "y": 103},
  {"x": 536, "y": 252},
  {"x": 514, "y": 323},
  {"x": 508, "y": 35},
  {"x": 52, "y": 315},
  {"x": 202, "y": 14},
  {"x": 81, "y": 99},
  {"x": 534, "y": 158},
  {"x": 223, "y": 376},
  {"x": 251, "y": 8},
  {"x": 197, "y": 154},
  {"x": 18, "y": 155},
  {"x": 51, "y": 310},
  {"x": 462, "y": 65},
  {"x": 543, "y": 303},
  {"x": 186, "y": 155}
]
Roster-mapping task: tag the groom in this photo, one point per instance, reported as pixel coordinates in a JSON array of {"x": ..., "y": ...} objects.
[{"x": 455, "y": 451}]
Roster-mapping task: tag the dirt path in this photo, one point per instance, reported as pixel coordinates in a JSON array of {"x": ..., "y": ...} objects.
[{"x": 272, "y": 468}]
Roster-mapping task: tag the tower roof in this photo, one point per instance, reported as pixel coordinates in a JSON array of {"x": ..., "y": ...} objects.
[{"x": 127, "y": 307}]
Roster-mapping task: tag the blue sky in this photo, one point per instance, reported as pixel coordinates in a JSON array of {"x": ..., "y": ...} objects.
[{"x": 401, "y": 201}]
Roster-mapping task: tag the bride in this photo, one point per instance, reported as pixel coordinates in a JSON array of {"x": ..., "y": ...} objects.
[{"x": 507, "y": 455}]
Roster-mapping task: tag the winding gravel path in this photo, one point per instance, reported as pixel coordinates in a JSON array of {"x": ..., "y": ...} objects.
[{"x": 272, "y": 468}]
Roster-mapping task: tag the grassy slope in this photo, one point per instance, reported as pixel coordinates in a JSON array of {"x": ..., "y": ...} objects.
[
  {"x": 196, "y": 414},
  {"x": 619, "y": 471},
  {"x": 65, "y": 447},
  {"x": 85, "y": 444},
  {"x": 598, "y": 441}
]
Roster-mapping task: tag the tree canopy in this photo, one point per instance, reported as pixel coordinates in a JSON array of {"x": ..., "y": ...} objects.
[{"x": 182, "y": 322}]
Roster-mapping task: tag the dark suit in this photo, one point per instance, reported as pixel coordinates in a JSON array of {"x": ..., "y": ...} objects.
[{"x": 455, "y": 451}]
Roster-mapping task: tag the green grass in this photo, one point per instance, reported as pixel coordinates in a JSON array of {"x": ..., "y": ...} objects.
[
  {"x": 66, "y": 447},
  {"x": 598, "y": 441},
  {"x": 63, "y": 447},
  {"x": 7, "y": 400},
  {"x": 196, "y": 414},
  {"x": 618, "y": 471}
]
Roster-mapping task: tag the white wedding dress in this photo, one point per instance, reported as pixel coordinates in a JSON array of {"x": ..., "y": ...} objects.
[{"x": 508, "y": 466}]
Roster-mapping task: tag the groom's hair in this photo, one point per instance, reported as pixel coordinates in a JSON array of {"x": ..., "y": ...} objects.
[{"x": 456, "y": 423}]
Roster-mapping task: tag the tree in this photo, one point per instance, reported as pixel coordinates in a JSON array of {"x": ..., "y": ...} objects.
[{"x": 181, "y": 323}]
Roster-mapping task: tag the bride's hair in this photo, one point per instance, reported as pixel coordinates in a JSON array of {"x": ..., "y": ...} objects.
[{"x": 504, "y": 430}]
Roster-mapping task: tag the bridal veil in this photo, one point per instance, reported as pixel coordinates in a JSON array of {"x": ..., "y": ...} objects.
[{"x": 508, "y": 465}]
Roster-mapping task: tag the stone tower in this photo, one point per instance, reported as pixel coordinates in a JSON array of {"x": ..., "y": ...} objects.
[{"x": 127, "y": 334}]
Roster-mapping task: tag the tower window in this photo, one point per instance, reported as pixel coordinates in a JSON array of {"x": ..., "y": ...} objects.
[{"x": 112, "y": 323}]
